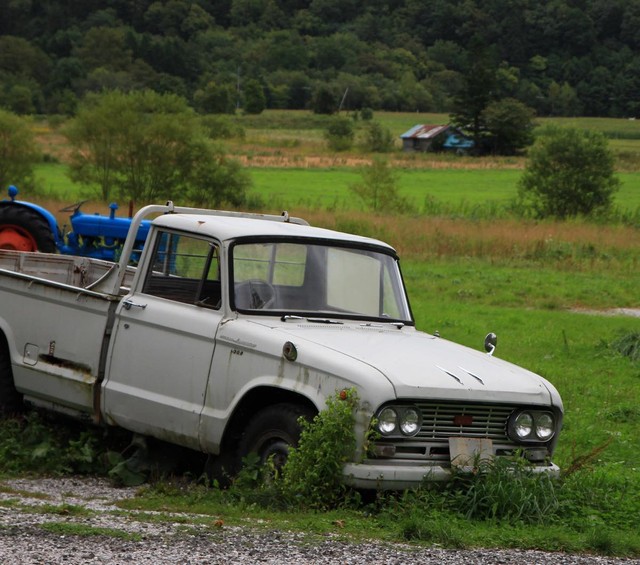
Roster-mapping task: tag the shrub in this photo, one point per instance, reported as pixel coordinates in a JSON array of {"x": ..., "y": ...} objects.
[
  {"x": 569, "y": 173},
  {"x": 378, "y": 188},
  {"x": 340, "y": 134},
  {"x": 313, "y": 472},
  {"x": 377, "y": 138}
]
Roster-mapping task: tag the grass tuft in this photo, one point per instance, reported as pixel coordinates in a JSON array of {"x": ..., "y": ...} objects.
[{"x": 628, "y": 345}]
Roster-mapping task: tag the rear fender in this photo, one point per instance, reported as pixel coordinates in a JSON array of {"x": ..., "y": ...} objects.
[{"x": 48, "y": 216}]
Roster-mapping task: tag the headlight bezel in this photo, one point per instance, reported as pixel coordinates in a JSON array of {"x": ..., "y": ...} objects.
[
  {"x": 542, "y": 427},
  {"x": 408, "y": 421}
]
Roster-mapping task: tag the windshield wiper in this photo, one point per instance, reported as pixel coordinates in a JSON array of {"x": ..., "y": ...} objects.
[
  {"x": 398, "y": 325},
  {"x": 324, "y": 321},
  {"x": 287, "y": 317}
]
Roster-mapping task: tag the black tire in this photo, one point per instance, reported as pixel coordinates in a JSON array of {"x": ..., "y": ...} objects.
[
  {"x": 272, "y": 432},
  {"x": 10, "y": 400},
  {"x": 29, "y": 227}
]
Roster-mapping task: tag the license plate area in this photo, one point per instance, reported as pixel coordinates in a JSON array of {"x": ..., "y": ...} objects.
[{"x": 467, "y": 453}]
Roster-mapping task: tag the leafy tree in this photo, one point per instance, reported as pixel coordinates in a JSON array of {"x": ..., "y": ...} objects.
[
  {"x": 475, "y": 96},
  {"x": 509, "y": 125},
  {"x": 215, "y": 98},
  {"x": 378, "y": 188},
  {"x": 18, "y": 97},
  {"x": 563, "y": 100},
  {"x": 569, "y": 173},
  {"x": 215, "y": 180},
  {"x": 18, "y": 151},
  {"x": 325, "y": 100},
  {"x": 254, "y": 99},
  {"x": 340, "y": 134},
  {"x": 105, "y": 47},
  {"x": 377, "y": 138},
  {"x": 148, "y": 146},
  {"x": 20, "y": 58}
]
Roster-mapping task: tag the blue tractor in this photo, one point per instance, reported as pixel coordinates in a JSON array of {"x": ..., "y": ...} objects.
[{"x": 25, "y": 226}]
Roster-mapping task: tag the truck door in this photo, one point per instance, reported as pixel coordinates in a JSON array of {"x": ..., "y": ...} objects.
[{"x": 160, "y": 359}]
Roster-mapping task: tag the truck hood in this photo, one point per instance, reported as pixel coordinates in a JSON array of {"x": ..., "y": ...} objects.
[{"x": 420, "y": 365}]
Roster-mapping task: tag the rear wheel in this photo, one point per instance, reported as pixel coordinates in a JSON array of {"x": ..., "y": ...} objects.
[
  {"x": 23, "y": 229},
  {"x": 10, "y": 399}
]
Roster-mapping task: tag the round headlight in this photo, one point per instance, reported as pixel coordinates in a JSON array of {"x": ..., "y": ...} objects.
[
  {"x": 544, "y": 426},
  {"x": 387, "y": 421},
  {"x": 523, "y": 425},
  {"x": 410, "y": 422}
]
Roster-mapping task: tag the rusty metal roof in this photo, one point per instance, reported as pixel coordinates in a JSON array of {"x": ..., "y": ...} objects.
[{"x": 424, "y": 131}]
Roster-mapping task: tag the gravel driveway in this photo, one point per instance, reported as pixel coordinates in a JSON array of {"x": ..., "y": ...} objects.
[{"x": 30, "y": 533}]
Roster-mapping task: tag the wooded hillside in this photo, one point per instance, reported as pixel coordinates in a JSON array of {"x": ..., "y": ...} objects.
[{"x": 560, "y": 57}]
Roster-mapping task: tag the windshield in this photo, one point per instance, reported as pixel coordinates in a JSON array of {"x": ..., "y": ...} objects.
[{"x": 311, "y": 279}]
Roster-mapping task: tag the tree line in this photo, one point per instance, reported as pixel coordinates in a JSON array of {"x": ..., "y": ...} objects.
[{"x": 558, "y": 57}]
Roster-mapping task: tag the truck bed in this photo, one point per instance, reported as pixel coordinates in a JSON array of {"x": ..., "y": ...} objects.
[
  {"x": 56, "y": 327},
  {"x": 79, "y": 272}
]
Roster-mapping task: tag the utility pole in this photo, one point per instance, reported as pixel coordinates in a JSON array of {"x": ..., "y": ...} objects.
[
  {"x": 344, "y": 97},
  {"x": 238, "y": 88}
]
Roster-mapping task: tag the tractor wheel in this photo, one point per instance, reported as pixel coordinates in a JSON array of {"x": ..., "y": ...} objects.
[{"x": 23, "y": 229}]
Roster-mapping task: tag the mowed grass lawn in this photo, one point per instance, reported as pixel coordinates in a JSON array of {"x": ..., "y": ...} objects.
[{"x": 329, "y": 188}]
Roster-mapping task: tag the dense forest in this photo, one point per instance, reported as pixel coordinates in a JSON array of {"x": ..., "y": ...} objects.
[{"x": 560, "y": 57}]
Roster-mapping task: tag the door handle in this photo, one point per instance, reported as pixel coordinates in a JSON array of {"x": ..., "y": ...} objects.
[{"x": 128, "y": 304}]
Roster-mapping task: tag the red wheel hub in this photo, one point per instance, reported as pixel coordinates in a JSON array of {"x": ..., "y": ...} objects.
[{"x": 16, "y": 239}]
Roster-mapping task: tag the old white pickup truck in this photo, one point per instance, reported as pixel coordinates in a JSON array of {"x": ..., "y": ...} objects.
[{"x": 231, "y": 326}]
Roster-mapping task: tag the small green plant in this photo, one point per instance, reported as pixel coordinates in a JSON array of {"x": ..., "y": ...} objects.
[
  {"x": 312, "y": 475},
  {"x": 377, "y": 138},
  {"x": 33, "y": 444},
  {"x": 628, "y": 345},
  {"x": 378, "y": 188},
  {"x": 340, "y": 134}
]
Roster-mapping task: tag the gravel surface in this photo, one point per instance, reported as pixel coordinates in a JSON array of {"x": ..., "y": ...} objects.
[{"x": 28, "y": 535}]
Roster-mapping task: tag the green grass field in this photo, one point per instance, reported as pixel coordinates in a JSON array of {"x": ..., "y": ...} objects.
[{"x": 329, "y": 188}]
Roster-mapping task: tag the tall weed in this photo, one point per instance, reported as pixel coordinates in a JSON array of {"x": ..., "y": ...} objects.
[
  {"x": 628, "y": 345},
  {"x": 505, "y": 491}
]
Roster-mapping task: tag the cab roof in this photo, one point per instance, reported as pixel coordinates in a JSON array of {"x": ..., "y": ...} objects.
[{"x": 228, "y": 228}]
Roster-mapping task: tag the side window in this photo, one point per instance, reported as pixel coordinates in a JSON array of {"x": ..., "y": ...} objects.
[{"x": 185, "y": 269}]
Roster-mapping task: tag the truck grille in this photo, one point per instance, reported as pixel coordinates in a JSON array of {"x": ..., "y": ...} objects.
[
  {"x": 440, "y": 421},
  {"x": 444, "y": 420}
]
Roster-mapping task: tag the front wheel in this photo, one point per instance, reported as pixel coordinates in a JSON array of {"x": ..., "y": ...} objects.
[
  {"x": 23, "y": 229},
  {"x": 272, "y": 432}
]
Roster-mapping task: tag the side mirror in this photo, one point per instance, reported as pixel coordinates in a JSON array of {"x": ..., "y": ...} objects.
[{"x": 490, "y": 343}]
